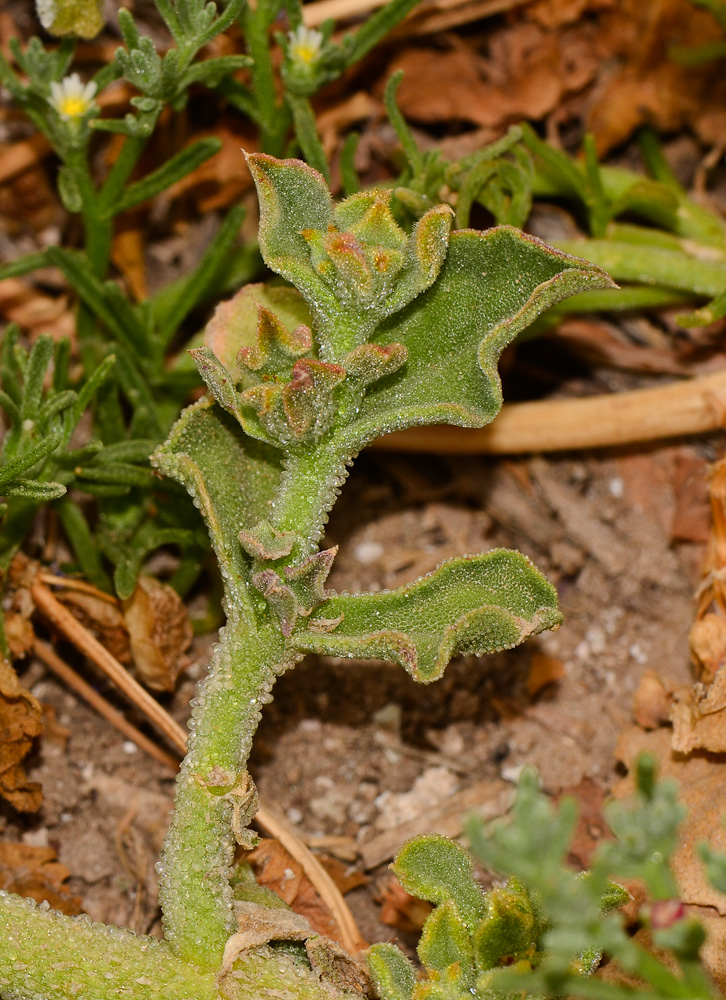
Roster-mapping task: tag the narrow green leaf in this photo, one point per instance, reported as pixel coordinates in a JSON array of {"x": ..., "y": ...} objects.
[
  {"x": 13, "y": 411},
  {"x": 376, "y": 27},
  {"x": 28, "y": 458},
  {"x": 85, "y": 548},
  {"x": 31, "y": 489},
  {"x": 23, "y": 265},
  {"x": 120, "y": 473},
  {"x": 211, "y": 71},
  {"x": 136, "y": 450},
  {"x": 104, "y": 299},
  {"x": 474, "y": 604},
  {"x": 56, "y": 404},
  {"x": 38, "y": 362},
  {"x": 715, "y": 310},
  {"x": 91, "y": 386},
  {"x": 306, "y": 133},
  {"x": 348, "y": 173},
  {"x": 405, "y": 137},
  {"x": 698, "y": 274},
  {"x": 174, "y": 169}
]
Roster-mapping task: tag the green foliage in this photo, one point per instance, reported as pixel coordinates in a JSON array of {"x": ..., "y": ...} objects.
[
  {"x": 303, "y": 379},
  {"x": 544, "y": 931},
  {"x": 34, "y": 456}
]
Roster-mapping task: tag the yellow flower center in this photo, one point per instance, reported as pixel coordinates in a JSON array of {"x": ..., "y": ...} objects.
[
  {"x": 305, "y": 53},
  {"x": 74, "y": 107}
]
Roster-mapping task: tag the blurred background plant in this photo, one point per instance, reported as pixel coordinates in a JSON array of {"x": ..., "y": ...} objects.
[
  {"x": 544, "y": 931},
  {"x": 134, "y": 342}
]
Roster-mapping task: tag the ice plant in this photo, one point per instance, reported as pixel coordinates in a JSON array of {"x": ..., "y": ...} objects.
[
  {"x": 382, "y": 330},
  {"x": 71, "y": 98},
  {"x": 304, "y": 44}
]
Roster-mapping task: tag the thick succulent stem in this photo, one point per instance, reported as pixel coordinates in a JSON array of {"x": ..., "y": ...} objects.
[
  {"x": 214, "y": 797},
  {"x": 48, "y": 956},
  {"x": 309, "y": 487}
]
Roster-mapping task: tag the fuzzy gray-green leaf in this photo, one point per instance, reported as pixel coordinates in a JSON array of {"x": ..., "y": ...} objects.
[
  {"x": 473, "y": 604},
  {"x": 435, "y": 868},
  {"x": 392, "y": 973}
]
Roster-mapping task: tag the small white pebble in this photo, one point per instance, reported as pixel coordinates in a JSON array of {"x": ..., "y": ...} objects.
[
  {"x": 582, "y": 650},
  {"x": 294, "y": 815},
  {"x": 638, "y": 654},
  {"x": 36, "y": 838},
  {"x": 130, "y": 748},
  {"x": 368, "y": 552},
  {"x": 512, "y": 773},
  {"x": 616, "y": 487},
  {"x": 310, "y": 725}
]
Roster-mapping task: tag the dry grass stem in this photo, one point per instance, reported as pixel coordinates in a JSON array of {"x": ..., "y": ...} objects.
[
  {"x": 694, "y": 406},
  {"x": 69, "y": 677}
]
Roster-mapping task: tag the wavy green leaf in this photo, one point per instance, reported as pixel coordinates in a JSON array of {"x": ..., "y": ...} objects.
[
  {"x": 492, "y": 285},
  {"x": 473, "y": 604},
  {"x": 435, "y": 868}
]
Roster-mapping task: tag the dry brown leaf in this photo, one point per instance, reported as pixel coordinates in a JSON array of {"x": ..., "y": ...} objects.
[
  {"x": 699, "y": 717},
  {"x": 36, "y": 873},
  {"x": 103, "y": 618},
  {"x": 21, "y": 721},
  {"x": 221, "y": 180},
  {"x": 601, "y": 343},
  {"x": 647, "y": 85},
  {"x": 701, "y": 780},
  {"x": 128, "y": 253},
  {"x": 275, "y": 869},
  {"x": 399, "y": 909},
  {"x": 529, "y": 71},
  {"x": 19, "y": 634},
  {"x": 652, "y": 701},
  {"x": 543, "y": 671},
  {"x": 159, "y": 632},
  {"x": 556, "y": 13},
  {"x": 21, "y": 303},
  {"x": 707, "y": 640},
  {"x": 591, "y": 825},
  {"x": 692, "y": 516}
]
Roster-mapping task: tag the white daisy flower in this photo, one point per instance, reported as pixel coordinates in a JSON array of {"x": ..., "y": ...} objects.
[
  {"x": 71, "y": 98},
  {"x": 304, "y": 44}
]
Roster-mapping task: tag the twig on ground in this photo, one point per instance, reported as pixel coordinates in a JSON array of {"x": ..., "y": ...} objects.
[
  {"x": 341, "y": 10},
  {"x": 70, "y": 583},
  {"x": 65, "y": 622},
  {"x": 69, "y": 677},
  {"x": 694, "y": 406}
]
